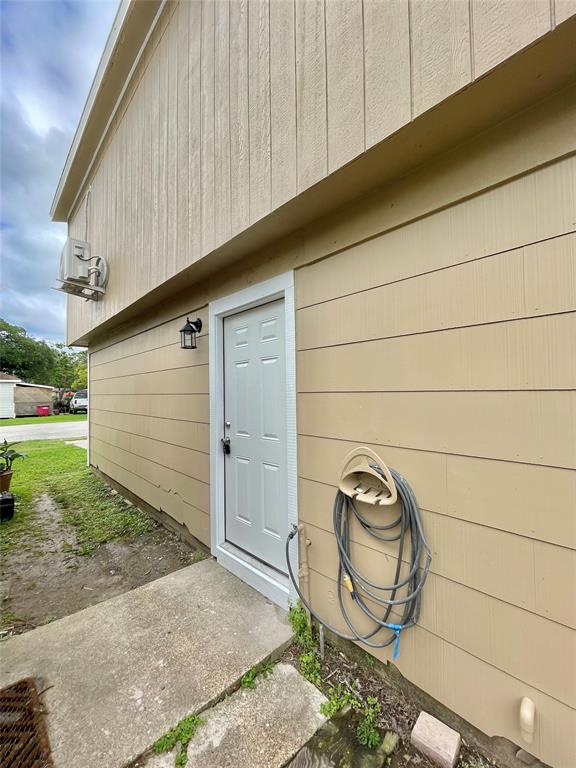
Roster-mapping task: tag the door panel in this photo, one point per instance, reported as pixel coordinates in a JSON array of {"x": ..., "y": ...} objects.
[{"x": 255, "y": 409}]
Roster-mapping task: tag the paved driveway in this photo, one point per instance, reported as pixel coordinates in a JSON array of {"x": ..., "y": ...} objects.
[{"x": 64, "y": 430}]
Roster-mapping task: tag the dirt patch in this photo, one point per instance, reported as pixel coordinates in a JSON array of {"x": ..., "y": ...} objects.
[
  {"x": 48, "y": 579},
  {"x": 398, "y": 714}
]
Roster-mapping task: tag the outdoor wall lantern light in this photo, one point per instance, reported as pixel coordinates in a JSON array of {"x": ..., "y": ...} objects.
[{"x": 188, "y": 333}]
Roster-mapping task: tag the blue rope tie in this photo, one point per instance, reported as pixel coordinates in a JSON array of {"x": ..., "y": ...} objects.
[{"x": 396, "y": 628}]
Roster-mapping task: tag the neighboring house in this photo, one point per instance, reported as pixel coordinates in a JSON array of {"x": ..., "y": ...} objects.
[
  {"x": 18, "y": 398},
  {"x": 371, "y": 207},
  {"x": 7, "y": 385},
  {"x": 27, "y": 398}
]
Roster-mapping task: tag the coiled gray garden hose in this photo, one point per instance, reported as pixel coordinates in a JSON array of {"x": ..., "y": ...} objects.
[{"x": 360, "y": 587}]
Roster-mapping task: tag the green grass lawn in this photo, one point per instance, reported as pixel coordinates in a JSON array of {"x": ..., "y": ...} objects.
[
  {"x": 42, "y": 419},
  {"x": 87, "y": 503}
]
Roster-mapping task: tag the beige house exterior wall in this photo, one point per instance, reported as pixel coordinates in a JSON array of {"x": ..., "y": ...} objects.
[
  {"x": 237, "y": 107},
  {"x": 436, "y": 320}
]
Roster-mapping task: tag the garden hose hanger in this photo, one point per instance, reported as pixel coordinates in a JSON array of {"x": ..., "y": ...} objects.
[
  {"x": 366, "y": 480},
  {"x": 364, "y": 477}
]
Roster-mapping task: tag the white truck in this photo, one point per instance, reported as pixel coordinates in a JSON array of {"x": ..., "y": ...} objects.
[{"x": 79, "y": 402}]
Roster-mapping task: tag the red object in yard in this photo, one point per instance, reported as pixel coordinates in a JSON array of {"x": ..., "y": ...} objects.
[{"x": 43, "y": 410}]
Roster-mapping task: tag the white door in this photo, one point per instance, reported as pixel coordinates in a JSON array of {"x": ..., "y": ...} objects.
[{"x": 255, "y": 423}]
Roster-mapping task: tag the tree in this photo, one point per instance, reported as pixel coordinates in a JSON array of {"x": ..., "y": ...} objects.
[
  {"x": 20, "y": 354},
  {"x": 69, "y": 368},
  {"x": 63, "y": 373},
  {"x": 80, "y": 376},
  {"x": 37, "y": 362}
]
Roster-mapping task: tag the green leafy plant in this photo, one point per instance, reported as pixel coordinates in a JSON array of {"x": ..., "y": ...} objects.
[
  {"x": 310, "y": 666},
  {"x": 8, "y": 456},
  {"x": 8, "y": 619},
  {"x": 367, "y": 733},
  {"x": 180, "y": 734},
  {"x": 298, "y": 619},
  {"x": 338, "y": 699},
  {"x": 260, "y": 670},
  {"x": 198, "y": 555},
  {"x": 309, "y": 658}
]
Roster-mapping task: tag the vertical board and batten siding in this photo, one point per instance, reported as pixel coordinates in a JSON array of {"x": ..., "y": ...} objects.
[
  {"x": 259, "y": 108},
  {"x": 222, "y": 120},
  {"x": 438, "y": 330},
  {"x": 311, "y": 118},
  {"x": 440, "y": 47},
  {"x": 387, "y": 81},
  {"x": 236, "y": 107},
  {"x": 282, "y": 102}
]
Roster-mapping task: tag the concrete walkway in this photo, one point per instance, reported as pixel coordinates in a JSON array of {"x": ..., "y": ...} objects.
[
  {"x": 260, "y": 728},
  {"x": 118, "y": 675},
  {"x": 49, "y": 430},
  {"x": 79, "y": 443}
]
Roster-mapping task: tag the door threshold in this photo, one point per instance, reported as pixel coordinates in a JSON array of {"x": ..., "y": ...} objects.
[
  {"x": 264, "y": 578},
  {"x": 257, "y": 561}
]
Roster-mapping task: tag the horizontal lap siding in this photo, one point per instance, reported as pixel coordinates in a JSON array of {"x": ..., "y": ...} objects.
[
  {"x": 188, "y": 434},
  {"x": 149, "y": 422},
  {"x": 532, "y": 208},
  {"x": 479, "y": 623},
  {"x": 191, "y": 491},
  {"x": 179, "y": 381},
  {"x": 531, "y": 427},
  {"x": 187, "y": 461},
  {"x": 164, "y": 358},
  {"x": 469, "y": 685},
  {"x": 182, "y": 408},
  {"x": 448, "y": 485},
  {"x": 446, "y": 345},
  {"x": 499, "y": 356},
  {"x": 466, "y": 553},
  {"x": 159, "y": 335},
  {"x": 535, "y": 280},
  {"x": 151, "y": 490}
]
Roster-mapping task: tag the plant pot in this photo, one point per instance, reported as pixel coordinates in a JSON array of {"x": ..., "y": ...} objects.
[
  {"x": 5, "y": 478},
  {"x": 6, "y": 507}
]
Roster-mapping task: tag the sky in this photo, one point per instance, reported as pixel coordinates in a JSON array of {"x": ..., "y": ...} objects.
[{"x": 49, "y": 51}]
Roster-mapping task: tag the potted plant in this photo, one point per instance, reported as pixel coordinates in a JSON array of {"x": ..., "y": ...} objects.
[{"x": 7, "y": 457}]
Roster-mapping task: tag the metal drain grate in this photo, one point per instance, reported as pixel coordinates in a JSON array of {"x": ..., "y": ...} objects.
[{"x": 23, "y": 738}]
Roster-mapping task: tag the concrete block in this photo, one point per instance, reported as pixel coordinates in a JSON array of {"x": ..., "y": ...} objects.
[{"x": 437, "y": 741}]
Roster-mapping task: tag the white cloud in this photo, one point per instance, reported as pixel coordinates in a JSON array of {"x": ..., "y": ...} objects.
[{"x": 50, "y": 50}]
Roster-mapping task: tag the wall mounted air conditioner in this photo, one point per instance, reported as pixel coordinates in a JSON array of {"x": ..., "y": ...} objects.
[{"x": 82, "y": 274}]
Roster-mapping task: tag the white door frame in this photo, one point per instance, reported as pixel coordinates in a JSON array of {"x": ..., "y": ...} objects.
[{"x": 267, "y": 580}]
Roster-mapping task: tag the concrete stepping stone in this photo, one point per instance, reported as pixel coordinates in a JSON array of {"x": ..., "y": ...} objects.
[{"x": 255, "y": 728}]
